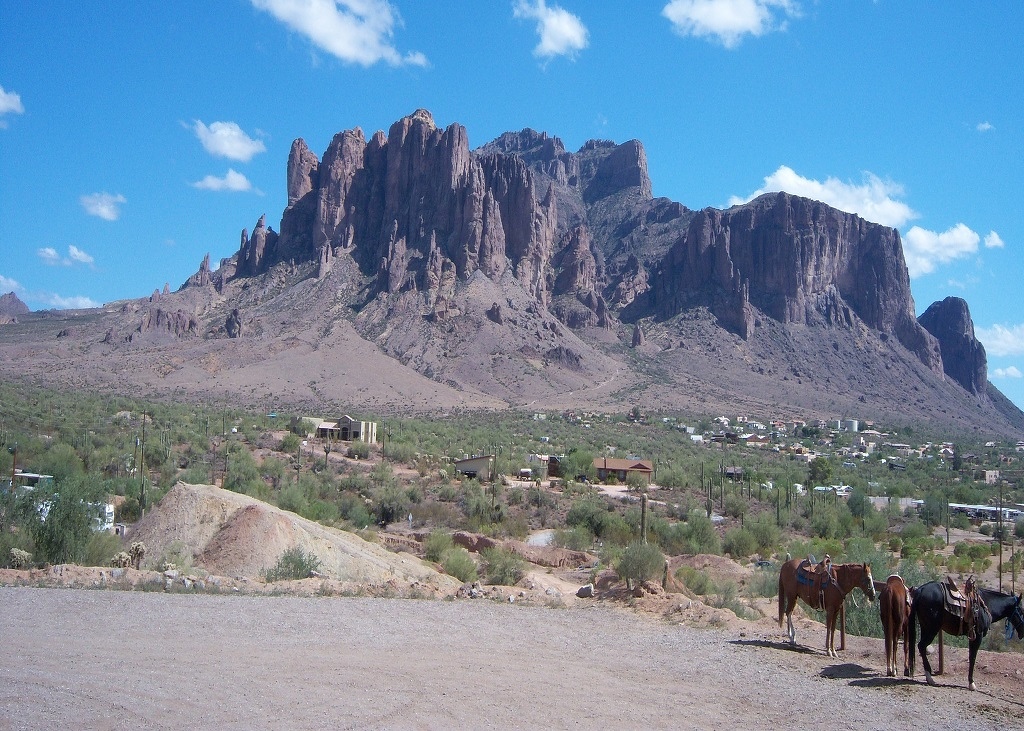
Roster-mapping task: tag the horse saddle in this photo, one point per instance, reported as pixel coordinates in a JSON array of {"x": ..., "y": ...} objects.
[
  {"x": 953, "y": 600},
  {"x": 815, "y": 576}
]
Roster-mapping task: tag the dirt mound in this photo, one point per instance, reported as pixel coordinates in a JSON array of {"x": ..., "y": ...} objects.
[{"x": 235, "y": 535}]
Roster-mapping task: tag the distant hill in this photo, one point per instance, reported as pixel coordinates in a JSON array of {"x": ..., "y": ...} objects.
[{"x": 412, "y": 273}]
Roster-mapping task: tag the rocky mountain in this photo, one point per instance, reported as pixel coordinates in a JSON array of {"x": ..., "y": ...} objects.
[
  {"x": 522, "y": 274},
  {"x": 11, "y": 308}
]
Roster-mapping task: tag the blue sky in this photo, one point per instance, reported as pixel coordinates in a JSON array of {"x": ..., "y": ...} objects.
[{"x": 137, "y": 137}]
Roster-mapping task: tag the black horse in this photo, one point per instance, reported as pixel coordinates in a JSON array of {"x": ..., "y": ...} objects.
[{"x": 928, "y": 608}]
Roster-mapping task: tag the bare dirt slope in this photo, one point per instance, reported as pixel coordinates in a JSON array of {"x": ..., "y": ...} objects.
[
  {"x": 139, "y": 660},
  {"x": 234, "y": 535}
]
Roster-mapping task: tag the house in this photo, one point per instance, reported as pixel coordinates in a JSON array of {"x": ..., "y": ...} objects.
[
  {"x": 480, "y": 467},
  {"x": 621, "y": 469},
  {"x": 344, "y": 429}
]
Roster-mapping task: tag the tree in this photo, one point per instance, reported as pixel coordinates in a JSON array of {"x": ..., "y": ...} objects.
[
  {"x": 63, "y": 535},
  {"x": 819, "y": 471},
  {"x": 639, "y": 562}
]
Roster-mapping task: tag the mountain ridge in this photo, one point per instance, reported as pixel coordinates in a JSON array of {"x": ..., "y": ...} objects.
[{"x": 520, "y": 274}]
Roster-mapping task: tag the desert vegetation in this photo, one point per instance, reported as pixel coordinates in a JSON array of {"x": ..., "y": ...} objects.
[{"x": 130, "y": 452}]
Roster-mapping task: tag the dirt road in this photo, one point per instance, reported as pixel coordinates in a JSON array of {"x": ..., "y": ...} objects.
[{"x": 96, "y": 659}]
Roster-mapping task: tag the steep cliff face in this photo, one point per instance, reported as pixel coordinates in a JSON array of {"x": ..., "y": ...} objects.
[
  {"x": 963, "y": 356},
  {"x": 798, "y": 261},
  {"x": 580, "y": 232},
  {"x": 410, "y": 205}
]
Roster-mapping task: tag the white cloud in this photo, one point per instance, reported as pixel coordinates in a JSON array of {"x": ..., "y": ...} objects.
[
  {"x": 993, "y": 241},
  {"x": 924, "y": 249},
  {"x": 355, "y": 31},
  {"x": 1001, "y": 341},
  {"x": 875, "y": 199},
  {"x": 50, "y": 256},
  {"x": 58, "y": 302},
  {"x": 561, "y": 33},
  {"x": 9, "y": 285},
  {"x": 10, "y": 103},
  {"x": 232, "y": 181},
  {"x": 76, "y": 254},
  {"x": 1011, "y": 372},
  {"x": 226, "y": 139},
  {"x": 984, "y": 127},
  {"x": 729, "y": 20},
  {"x": 103, "y": 205}
]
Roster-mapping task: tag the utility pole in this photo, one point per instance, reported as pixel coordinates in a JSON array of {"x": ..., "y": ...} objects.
[
  {"x": 142, "y": 475},
  {"x": 1000, "y": 535}
]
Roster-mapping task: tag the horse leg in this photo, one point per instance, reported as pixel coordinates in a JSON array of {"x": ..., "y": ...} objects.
[
  {"x": 973, "y": 650},
  {"x": 830, "y": 629},
  {"x": 887, "y": 631},
  {"x": 927, "y": 636}
]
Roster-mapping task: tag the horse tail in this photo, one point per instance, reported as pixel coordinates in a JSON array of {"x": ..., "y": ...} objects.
[
  {"x": 782, "y": 598},
  {"x": 911, "y": 640}
]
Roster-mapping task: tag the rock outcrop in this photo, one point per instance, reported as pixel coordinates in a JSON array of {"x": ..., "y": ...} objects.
[
  {"x": 157, "y": 321},
  {"x": 963, "y": 356},
  {"x": 798, "y": 261},
  {"x": 11, "y": 307}
]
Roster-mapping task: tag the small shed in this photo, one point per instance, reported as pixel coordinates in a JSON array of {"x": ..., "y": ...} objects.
[{"x": 480, "y": 467}]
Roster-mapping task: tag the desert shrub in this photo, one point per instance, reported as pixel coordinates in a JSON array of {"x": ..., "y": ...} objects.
[
  {"x": 764, "y": 582},
  {"x": 701, "y": 536},
  {"x": 736, "y": 506},
  {"x": 766, "y": 534},
  {"x": 577, "y": 538},
  {"x": 447, "y": 493},
  {"x": 19, "y": 559},
  {"x": 293, "y": 499},
  {"x": 739, "y": 542},
  {"x": 100, "y": 548},
  {"x": 516, "y": 496},
  {"x": 289, "y": 444},
  {"x": 358, "y": 450},
  {"x": 293, "y": 564},
  {"x": 589, "y": 512},
  {"x": 62, "y": 537},
  {"x": 458, "y": 563},
  {"x": 129, "y": 511},
  {"x": 322, "y": 511},
  {"x": 177, "y": 554},
  {"x": 696, "y": 581},
  {"x": 640, "y": 562},
  {"x": 197, "y": 474},
  {"x": 436, "y": 545},
  {"x": 503, "y": 567},
  {"x": 390, "y": 505},
  {"x": 895, "y": 544}
]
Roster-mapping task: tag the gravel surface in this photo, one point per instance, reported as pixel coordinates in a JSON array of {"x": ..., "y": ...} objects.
[{"x": 95, "y": 659}]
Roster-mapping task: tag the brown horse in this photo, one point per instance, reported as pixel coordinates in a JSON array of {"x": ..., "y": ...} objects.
[
  {"x": 894, "y": 606},
  {"x": 794, "y": 584}
]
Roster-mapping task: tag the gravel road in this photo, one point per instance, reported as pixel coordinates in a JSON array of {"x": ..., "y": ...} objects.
[{"x": 92, "y": 659}]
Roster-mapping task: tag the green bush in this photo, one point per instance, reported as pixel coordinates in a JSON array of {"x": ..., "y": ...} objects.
[
  {"x": 701, "y": 536},
  {"x": 293, "y": 564},
  {"x": 458, "y": 563},
  {"x": 100, "y": 548},
  {"x": 503, "y": 567},
  {"x": 764, "y": 583},
  {"x": 739, "y": 542},
  {"x": 696, "y": 581},
  {"x": 640, "y": 562},
  {"x": 358, "y": 450},
  {"x": 575, "y": 539},
  {"x": 437, "y": 544}
]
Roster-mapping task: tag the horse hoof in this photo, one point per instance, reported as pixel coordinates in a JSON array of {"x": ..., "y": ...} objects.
[
  {"x": 972, "y": 686},
  {"x": 929, "y": 679}
]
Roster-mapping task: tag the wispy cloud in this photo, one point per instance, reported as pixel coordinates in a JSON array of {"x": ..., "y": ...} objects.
[
  {"x": 103, "y": 205},
  {"x": 874, "y": 199},
  {"x": 561, "y": 33},
  {"x": 47, "y": 299},
  {"x": 1011, "y": 372},
  {"x": 75, "y": 255},
  {"x": 10, "y": 103},
  {"x": 232, "y": 181},
  {"x": 226, "y": 139},
  {"x": 1000, "y": 340},
  {"x": 984, "y": 127},
  {"x": 60, "y": 302},
  {"x": 728, "y": 21},
  {"x": 355, "y": 31}
]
